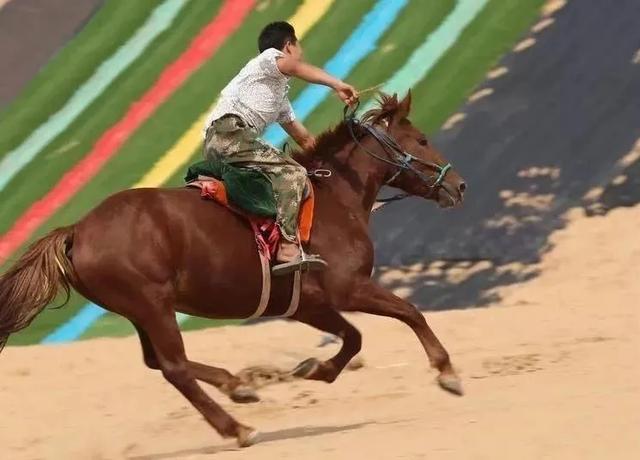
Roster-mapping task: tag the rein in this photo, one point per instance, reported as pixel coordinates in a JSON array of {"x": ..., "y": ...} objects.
[{"x": 396, "y": 156}]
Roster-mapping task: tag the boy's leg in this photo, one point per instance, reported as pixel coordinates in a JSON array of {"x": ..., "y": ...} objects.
[
  {"x": 289, "y": 180},
  {"x": 288, "y": 183},
  {"x": 230, "y": 138}
]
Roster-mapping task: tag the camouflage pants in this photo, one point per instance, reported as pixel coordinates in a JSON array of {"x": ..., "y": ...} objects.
[{"x": 230, "y": 139}]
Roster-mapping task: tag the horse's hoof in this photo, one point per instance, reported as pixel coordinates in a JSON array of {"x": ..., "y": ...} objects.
[
  {"x": 306, "y": 368},
  {"x": 248, "y": 436},
  {"x": 451, "y": 383},
  {"x": 244, "y": 394}
]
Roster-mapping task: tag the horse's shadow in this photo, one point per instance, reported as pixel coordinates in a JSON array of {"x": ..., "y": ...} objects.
[{"x": 265, "y": 437}]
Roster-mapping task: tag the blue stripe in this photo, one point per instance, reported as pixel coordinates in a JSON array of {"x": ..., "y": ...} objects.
[
  {"x": 82, "y": 321},
  {"x": 159, "y": 20},
  {"x": 75, "y": 327},
  {"x": 362, "y": 41}
]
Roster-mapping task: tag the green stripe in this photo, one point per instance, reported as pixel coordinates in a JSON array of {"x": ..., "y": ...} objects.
[{"x": 107, "y": 30}]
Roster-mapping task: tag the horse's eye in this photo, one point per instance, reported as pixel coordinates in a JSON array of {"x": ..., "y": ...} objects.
[{"x": 423, "y": 141}]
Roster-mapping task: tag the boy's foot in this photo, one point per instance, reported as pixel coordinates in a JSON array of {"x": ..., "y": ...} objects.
[{"x": 304, "y": 263}]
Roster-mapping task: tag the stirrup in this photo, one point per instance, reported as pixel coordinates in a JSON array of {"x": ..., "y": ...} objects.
[{"x": 304, "y": 263}]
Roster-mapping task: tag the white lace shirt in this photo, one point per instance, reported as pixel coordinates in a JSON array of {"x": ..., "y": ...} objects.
[{"x": 258, "y": 94}]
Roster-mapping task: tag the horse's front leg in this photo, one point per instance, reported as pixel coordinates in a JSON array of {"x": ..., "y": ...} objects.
[
  {"x": 329, "y": 320},
  {"x": 369, "y": 297}
]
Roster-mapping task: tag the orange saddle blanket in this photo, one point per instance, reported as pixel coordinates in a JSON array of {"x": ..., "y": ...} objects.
[{"x": 266, "y": 231}]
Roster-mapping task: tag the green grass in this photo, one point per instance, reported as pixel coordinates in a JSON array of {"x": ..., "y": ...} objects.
[
  {"x": 37, "y": 178},
  {"x": 107, "y": 30},
  {"x": 412, "y": 27},
  {"x": 491, "y": 35}
]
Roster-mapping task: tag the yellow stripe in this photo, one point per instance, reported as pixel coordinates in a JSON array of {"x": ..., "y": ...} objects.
[
  {"x": 308, "y": 14},
  {"x": 305, "y": 17}
]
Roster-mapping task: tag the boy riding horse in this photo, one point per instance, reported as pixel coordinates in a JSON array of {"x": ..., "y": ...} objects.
[{"x": 255, "y": 98}]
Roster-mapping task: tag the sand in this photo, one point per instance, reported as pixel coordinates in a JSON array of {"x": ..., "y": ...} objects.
[{"x": 550, "y": 371}]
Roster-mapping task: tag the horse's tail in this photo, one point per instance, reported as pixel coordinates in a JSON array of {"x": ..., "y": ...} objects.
[{"x": 33, "y": 282}]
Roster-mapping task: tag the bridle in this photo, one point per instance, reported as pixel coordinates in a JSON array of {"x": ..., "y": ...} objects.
[{"x": 396, "y": 155}]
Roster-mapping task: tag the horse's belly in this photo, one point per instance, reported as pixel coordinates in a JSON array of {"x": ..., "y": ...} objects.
[{"x": 221, "y": 274}]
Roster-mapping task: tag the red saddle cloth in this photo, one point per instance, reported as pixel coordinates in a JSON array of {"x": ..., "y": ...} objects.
[{"x": 266, "y": 230}]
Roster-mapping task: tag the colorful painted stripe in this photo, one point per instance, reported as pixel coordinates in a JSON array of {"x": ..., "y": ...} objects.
[
  {"x": 425, "y": 57},
  {"x": 205, "y": 44},
  {"x": 362, "y": 41},
  {"x": 159, "y": 21},
  {"x": 305, "y": 17}
]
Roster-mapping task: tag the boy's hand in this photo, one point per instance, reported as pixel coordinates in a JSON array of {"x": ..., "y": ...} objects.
[{"x": 347, "y": 93}]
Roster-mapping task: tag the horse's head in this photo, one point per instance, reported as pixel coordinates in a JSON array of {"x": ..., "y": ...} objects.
[{"x": 415, "y": 166}]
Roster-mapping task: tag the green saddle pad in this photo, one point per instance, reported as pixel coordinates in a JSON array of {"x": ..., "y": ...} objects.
[{"x": 248, "y": 189}]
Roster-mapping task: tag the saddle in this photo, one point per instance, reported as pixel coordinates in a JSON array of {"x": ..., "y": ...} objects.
[
  {"x": 265, "y": 228},
  {"x": 266, "y": 233}
]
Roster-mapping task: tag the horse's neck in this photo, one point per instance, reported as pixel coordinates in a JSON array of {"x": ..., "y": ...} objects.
[{"x": 356, "y": 179}]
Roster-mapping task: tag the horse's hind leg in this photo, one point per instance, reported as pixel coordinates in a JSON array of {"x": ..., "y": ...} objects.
[
  {"x": 222, "y": 379},
  {"x": 374, "y": 299},
  {"x": 164, "y": 335},
  {"x": 329, "y": 320}
]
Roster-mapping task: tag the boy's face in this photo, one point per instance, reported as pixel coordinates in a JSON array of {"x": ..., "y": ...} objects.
[{"x": 293, "y": 49}]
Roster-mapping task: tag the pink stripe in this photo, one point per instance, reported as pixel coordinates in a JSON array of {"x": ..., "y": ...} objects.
[{"x": 228, "y": 19}]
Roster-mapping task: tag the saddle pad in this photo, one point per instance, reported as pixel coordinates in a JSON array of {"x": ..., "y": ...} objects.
[{"x": 214, "y": 189}]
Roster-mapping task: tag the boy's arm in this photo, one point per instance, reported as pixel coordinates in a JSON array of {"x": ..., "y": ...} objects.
[
  {"x": 313, "y": 74},
  {"x": 299, "y": 133}
]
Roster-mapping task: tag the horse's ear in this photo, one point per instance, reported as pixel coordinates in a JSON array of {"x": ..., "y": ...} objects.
[{"x": 404, "y": 107}]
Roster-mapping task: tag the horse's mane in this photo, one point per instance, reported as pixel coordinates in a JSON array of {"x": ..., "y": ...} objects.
[{"x": 336, "y": 137}]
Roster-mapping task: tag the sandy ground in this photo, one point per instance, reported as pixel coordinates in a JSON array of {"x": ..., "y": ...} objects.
[{"x": 552, "y": 371}]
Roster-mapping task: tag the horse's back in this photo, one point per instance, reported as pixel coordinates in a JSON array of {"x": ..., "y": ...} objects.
[{"x": 168, "y": 236}]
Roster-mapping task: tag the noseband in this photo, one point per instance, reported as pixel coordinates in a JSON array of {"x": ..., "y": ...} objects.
[{"x": 396, "y": 155}]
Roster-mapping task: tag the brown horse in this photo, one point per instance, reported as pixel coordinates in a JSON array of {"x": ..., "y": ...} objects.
[{"x": 147, "y": 253}]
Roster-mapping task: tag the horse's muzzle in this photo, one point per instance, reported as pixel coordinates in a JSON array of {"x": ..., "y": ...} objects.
[{"x": 450, "y": 195}]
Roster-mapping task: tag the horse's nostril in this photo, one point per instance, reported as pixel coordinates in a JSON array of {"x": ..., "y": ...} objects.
[{"x": 462, "y": 187}]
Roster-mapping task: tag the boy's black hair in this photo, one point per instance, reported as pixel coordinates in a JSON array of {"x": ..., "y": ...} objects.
[{"x": 276, "y": 35}]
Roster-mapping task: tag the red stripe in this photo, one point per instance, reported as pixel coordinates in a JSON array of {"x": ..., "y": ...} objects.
[{"x": 228, "y": 19}]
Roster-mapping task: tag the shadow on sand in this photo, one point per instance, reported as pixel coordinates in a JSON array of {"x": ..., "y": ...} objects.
[{"x": 265, "y": 437}]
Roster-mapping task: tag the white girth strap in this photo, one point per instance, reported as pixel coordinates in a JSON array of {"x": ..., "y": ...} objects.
[
  {"x": 266, "y": 287},
  {"x": 295, "y": 296},
  {"x": 266, "y": 291}
]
